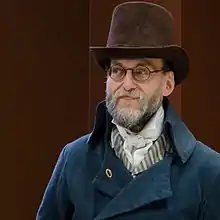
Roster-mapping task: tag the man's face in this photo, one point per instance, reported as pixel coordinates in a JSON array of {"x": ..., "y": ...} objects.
[{"x": 132, "y": 99}]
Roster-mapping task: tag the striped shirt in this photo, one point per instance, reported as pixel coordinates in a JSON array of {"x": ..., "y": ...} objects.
[{"x": 155, "y": 153}]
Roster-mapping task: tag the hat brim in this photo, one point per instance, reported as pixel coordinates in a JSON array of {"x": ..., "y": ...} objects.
[{"x": 174, "y": 54}]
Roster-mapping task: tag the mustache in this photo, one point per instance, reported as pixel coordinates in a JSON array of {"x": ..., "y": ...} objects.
[{"x": 131, "y": 94}]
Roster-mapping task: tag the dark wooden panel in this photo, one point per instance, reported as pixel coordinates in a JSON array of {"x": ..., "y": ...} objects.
[
  {"x": 45, "y": 99},
  {"x": 200, "y": 94}
]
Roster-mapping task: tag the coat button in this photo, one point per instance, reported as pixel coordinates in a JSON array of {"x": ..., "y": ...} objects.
[{"x": 108, "y": 173}]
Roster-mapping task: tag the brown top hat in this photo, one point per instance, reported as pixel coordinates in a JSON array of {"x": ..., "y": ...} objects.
[{"x": 140, "y": 30}]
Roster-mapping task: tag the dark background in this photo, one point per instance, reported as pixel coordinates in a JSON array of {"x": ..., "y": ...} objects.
[{"x": 50, "y": 85}]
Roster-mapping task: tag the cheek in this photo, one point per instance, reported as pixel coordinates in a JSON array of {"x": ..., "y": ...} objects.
[
  {"x": 151, "y": 90},
  {"x": 147, "y": 90},
  {"x": 112, "y": 87}
]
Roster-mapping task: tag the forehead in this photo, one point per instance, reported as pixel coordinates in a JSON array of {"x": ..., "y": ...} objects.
[{"x": 129, "y": 63}]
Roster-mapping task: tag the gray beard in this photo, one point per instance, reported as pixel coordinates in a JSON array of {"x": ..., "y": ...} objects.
[{"x": 133, "y": 119}]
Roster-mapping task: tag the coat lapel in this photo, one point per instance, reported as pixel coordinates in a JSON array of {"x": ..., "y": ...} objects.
[
  {"x": 111, "y": 184},
  {"x": 150, "y": 186}
]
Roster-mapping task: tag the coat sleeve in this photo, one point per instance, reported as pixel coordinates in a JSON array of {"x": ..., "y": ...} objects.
[
  {"x": 56, "y": 204},
  {"x": 211, "y": 208}
]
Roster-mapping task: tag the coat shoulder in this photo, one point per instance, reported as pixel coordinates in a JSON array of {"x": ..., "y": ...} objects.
[
  {"x": 75, "y": 151},
  {"x": 208, "y": 155},
  {"x": 207, "y": 159}
]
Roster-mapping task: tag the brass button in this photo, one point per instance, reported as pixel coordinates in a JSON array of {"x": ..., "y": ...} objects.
[{"x": 108, "y": 173}]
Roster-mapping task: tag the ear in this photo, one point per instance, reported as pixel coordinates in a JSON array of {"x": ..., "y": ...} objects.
[{"x": 169, "y": 84}]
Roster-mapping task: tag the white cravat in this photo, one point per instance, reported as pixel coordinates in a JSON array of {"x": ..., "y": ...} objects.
[{"x": 136, "y": 146}]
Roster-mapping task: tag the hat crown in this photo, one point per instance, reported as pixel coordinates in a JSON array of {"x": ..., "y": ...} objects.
[{"x": 140, "y": 24}]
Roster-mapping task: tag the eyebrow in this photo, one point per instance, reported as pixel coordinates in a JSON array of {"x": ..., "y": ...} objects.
[
  {"x": 141, "y": 62},
  {"x": 115, "y": 62}
]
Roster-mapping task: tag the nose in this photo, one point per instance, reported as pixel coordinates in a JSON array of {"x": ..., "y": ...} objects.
[{"x": 128, "y": 82}]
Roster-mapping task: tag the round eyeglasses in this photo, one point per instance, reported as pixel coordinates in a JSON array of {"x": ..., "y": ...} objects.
[{"x": 139, "y": 73}]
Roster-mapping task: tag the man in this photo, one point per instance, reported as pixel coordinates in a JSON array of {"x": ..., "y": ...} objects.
[{"x": 140, "y": 161}]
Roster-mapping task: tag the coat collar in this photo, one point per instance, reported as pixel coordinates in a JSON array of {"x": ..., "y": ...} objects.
[{"x": 182, "y": 139}]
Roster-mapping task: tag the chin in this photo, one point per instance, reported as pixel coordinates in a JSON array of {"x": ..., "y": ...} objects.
[
  {"x": 129, "y": 111},
  {"x": 128, "y": 106}
]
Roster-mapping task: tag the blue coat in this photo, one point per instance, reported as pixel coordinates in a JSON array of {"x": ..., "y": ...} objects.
[{"x": 183, "y": 186}]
